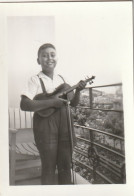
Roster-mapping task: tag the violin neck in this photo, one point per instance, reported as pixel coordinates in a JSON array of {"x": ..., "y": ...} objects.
[
  {"x": 75, "y": 86},
  {"x": 71, "y": 89}
]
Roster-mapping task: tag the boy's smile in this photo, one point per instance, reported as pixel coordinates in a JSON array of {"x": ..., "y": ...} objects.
[{"x": 47, "y": 59}]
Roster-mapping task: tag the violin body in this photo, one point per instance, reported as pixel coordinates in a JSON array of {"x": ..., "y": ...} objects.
[
  {"x": 58, "y": 93},
  {"x": 64, "y": 91}
]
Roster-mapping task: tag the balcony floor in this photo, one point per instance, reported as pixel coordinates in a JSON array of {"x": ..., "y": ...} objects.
[{"x": 79, "y": 180}]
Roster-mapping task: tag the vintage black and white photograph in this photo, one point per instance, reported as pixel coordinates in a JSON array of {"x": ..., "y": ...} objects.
[{"x": 67, "y": 64}]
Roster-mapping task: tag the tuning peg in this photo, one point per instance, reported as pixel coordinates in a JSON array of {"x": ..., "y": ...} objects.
[{"x": 91, "y": 82}]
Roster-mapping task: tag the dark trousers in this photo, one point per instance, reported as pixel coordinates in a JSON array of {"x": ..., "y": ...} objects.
[
  {"x": 53, "y": 142},
  {"x": 53, "y": 155}
]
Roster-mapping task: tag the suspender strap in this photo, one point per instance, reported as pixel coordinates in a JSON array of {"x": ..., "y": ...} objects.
[
  {"x": 62, "y": 78},
  {"x": 42, "y": 85}
]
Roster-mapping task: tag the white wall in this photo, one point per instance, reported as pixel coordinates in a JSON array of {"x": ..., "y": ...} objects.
[{"x": 25, "y": 35}]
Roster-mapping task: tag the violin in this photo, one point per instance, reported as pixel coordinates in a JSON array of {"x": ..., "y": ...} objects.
[{"x": 64, "y": 91}]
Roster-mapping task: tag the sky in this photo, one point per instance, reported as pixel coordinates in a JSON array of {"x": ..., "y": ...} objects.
[{"x": 91, "y": 39}]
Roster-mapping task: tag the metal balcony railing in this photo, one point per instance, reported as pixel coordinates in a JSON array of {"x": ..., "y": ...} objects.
[
  {"x": 94, "y": 159},
  {"x": 97, "y": 159}
]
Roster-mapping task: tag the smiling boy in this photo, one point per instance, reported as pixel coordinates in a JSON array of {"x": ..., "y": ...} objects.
[{"x": 51, "y": 133}]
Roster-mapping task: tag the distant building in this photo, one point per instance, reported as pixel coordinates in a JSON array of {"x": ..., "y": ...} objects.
[{"x": 95, "y": 92}]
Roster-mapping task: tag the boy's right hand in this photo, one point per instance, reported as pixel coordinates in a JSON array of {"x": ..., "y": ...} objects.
[{"x": 59, "y": 102}]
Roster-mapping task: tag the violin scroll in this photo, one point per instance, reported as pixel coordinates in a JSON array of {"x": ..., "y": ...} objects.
[{"x": 90, "y": 80}]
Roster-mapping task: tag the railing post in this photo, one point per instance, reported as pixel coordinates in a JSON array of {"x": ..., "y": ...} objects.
[
  {"x": 25, "y": 121},
  {"x": 91, "y": 134},
  {"x": 93, "y": 157},
  {"x": 92, "y": 152},
  {"x": 20, "y": 118},
  {"x": 14, "y": 119},
  {"x": 91, "y": 98},
  {"x": 12, "y": 154},
  {"x": 94, "y": 168},
  {"x": 123, "y": 173}
]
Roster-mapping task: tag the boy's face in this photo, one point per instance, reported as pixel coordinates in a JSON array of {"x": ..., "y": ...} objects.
[{"x": 47, "y": 59}]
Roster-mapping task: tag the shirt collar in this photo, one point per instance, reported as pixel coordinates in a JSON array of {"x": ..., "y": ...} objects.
[{"x": 42, "y": 75}]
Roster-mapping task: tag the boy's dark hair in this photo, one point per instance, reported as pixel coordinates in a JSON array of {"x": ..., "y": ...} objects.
[{"x": 44, "y": 46}]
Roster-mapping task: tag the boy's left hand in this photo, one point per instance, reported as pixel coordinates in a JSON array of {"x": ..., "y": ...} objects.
[{"x": 81, "y": 85}]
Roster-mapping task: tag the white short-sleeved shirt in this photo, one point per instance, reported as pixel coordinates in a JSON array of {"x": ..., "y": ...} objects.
[{"x": 33, "y": 87}]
